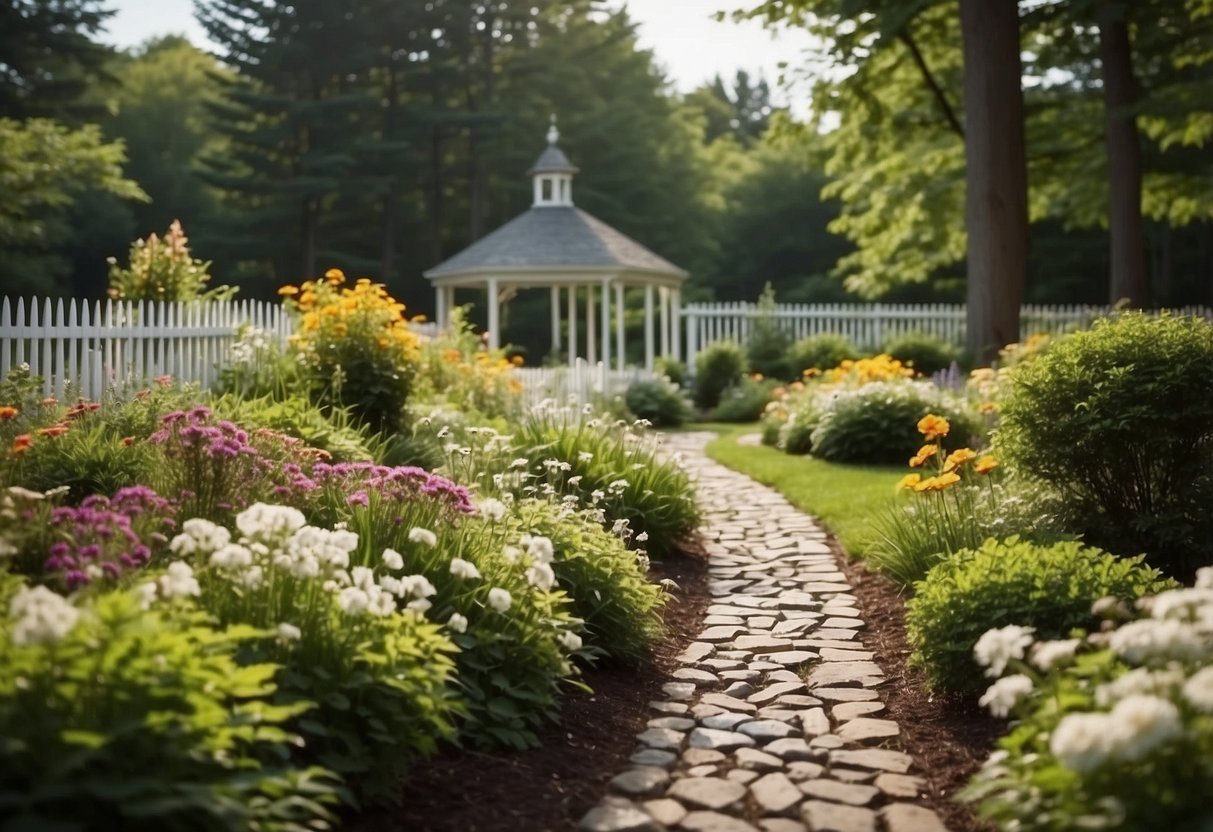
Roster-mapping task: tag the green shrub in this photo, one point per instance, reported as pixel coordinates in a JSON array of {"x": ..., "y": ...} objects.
[
  {"x": 330, "y": 429},
  {"x": 672, "y": 369},
  {"x": 717, "y": 368},
  {"x": 1119, "y": 418},
  {"x": 925, "y": 353},
  {"x": 606, "y": 581},
  {"x": 660, "y": 401},
  {"x": 1049, "y": 588},
  {"x": 876, "y": 424},
  {"x": 767, "y": 345},
  {"x": 744, "y": 403},
  {"x": 821, "y": 352},
  {"x": 162, "y": 269},
  {"x": 116, "y": 717}
]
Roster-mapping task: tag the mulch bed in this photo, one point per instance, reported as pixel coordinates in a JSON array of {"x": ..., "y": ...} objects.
[
  {"x": 552, "y": 786},
  {"x": 549, "y": 788}
]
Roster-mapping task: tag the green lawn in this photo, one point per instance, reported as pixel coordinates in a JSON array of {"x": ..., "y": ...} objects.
[{"x": 843, "y": 497}]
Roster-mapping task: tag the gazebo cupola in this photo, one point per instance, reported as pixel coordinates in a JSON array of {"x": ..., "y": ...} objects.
[{"x": 553, "y": 174}]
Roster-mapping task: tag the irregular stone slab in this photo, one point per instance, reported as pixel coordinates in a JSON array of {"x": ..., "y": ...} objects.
[
  {"x": 739, "y": 690},
  {"x": 608, "y": 818},
  {"x": 833, "y": 673},
  {"x": 878, "y": 758},
  {"x": 825, "y": 586},
  {"x": 661, "y": 738},
  {"x": 678, "y": 691},
  {"x": 674, "y": 723},
  {"x": 719, "y": 665},
  {"x": 832, "y": 654},
  {"x": 850, "y": 710},
  {"x": 812, "y": 640},
  {"x": 760, "y": 622},
  {"x": 725, "y": 722},
  {"x": 761, "y": 643},
  {"x": 814, "y": 722},
  {"x": 778, "y": 712},
  {"x": 728, "y": 703},
  {"x": 836, "y": 634},
  {"x": 842, "y": 623},
  {"x": 714, "y": 620},
  {"x": 905, "y": 817},
  {"x": 795, "y": 625},
  {"x": 797, "y": 701},
  {"x": 702, "y": 756},
  {"x": 762, "y": 663},
  {"x": 719, "y": 740},
  {"x": 701, "y": 771},
  {"x": 851, "y": 775},
  {"x": 834, "y": 817},
  {"x": 701, "y": 710},
  {"x": 846, "y": 694},
  {"x": 853, "y": 794},
  {"x": 775, "y": 794},
  {"x": 798, "y": 770},
  {"x": 699, "y": 678},
  {"x": 747, "y": 675},
  {"x": 724, "y": 633},
  {"x": 670, "y": 707},
  {"x": 706, "y": 792},
  {"x": 865, "y": 729},
  {"x": 715, "y": 822},
  {"x": 641, "y": 781},
  {"x": 765, "y": 730},
  {"x": 784, "y": 675},
  {"x": 793, "y": 748},
  {"x": 742, "y": 776},
  {"x": 696, "y": 651},
  {"x": 791, "y": 658},
  {"x": 781, "y": 825},
  {"x": 900, "y": 785},
  {"x": 827, "y": 741},
  {"x": 665, "y": 811},
  {"x": 799, "y": 601},
  {"x": 755, "y": 760},
  {"x": 773, "y": 692},
  {"x": 654, "y": 757}
]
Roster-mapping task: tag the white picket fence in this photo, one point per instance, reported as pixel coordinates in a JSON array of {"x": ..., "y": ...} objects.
[
  {"x": 578, "y": 383},
  {"x": 89, "y": 348},
  {"x": 871, "y": 325}
]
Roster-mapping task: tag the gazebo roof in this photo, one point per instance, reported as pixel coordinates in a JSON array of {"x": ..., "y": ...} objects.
[
  {"x": 552, "y": 160},
  {"x": 548, "y": 238}
]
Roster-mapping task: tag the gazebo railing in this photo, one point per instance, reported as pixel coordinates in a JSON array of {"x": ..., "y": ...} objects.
[{"x": 581, "y": 382}]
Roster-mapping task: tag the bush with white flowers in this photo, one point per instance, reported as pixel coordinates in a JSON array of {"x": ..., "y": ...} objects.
[{"x": 1112, "y": 730}]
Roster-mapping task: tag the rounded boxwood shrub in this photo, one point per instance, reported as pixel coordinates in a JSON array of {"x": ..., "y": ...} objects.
[
  {"x": 671, "y": 368},
  {"x": 717, "y": 368},
  {"x": 925, "y": 353},
  {"x": 744, "y": 403},
  {"x": 821, "y": 352},
  {"x": 1120, "y": 419},
  {"x": 877, "y": 424},
  {"x": 1049, "y": 588},
  {"x": 660, "y": 401}
]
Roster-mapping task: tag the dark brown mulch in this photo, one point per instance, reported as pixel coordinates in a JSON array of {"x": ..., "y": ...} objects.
[
  {"x": 552, "y": 786},
  {"x": 949, "y": 736}
]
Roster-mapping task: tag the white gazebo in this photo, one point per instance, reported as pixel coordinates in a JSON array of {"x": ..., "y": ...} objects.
[{"x": 580, "y": 259}]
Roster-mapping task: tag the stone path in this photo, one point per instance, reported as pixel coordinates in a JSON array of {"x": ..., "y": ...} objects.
[{"x": 774, "y": 721}]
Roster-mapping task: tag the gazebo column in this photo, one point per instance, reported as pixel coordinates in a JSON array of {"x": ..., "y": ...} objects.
[
  {"x": 555, "y": 320},
  {"x": 591, "y": 348},
  {"x": 676, "y": 319},
  {"x": 494, "y": 301},
  {"x": 648, "y": 327},
  {"x": 620, "y": 352},
  {"x": 572, "y": 326},
  {"x": 440, "y": 306},
  {"x": 663, "y": 299},
  {"x": 606, "y": 324}
]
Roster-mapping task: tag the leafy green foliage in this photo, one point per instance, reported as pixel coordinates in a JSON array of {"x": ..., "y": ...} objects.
[
  {"x": 925, "y": 353},
  {"x": 672, "y": 369},
  {"x": 328, "y": 429},
  {"x": 660, "y": 401},
  {"x": 717, "y": 368},
  {"x": 145, "y": 720},
  {"x": 875, "y": 423},
  {"x": 768, "y": 343},
  {"x": 745, "y": 402},
  {"x": 821, "y": 352},
  {"x": 1118, "y": 418},
  {"x": 1050, "y": 588},
  {"x": 162, "y": 269}
]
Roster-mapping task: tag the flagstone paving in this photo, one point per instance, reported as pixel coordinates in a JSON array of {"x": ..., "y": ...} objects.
[{"x": 774, "y": 721}]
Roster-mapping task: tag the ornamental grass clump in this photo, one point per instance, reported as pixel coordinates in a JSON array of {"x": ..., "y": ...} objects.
[
  {"x": 1112, "y": 730},
  {"x": 356, "y": 347},
  {"x": 955, "y": 501},
  {"x": 1047, "y": 588},
  {"x": 351, "y": 639},
  {"x": 1119, "y": 419},
  {"x": 114, "y": 716}
]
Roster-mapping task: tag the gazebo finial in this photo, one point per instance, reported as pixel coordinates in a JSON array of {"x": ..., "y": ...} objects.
[{"x": 553, "y": 133}]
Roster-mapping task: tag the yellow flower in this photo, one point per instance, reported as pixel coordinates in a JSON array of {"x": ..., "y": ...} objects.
[
  {"x": 516, "y": 360},
  {"x": 985, "y": 465},
  {"x": 988, "y": 407},
  {"x": 958, "y": 458},
  {"x": 908, "y": 481},
  {"x": 924, "y": 453},
  {"x": 933, "y": 427},
  {"x": 937, "y": 483},
  {"x": 334, "y": 276},
  {"x": 288, "y": 290}
]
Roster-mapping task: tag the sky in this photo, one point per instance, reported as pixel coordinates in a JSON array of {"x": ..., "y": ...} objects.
[{"x": 687, "y": 42}]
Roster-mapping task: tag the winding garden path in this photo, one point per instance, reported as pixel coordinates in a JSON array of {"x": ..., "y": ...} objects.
[{"x": 774, "y": 721}]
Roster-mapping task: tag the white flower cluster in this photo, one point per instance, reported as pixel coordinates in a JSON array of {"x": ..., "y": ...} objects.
[
  {"x": 40, "y": 616},
  {"x": 997, "y": 647},
  {"x": 1130, "y": 731},
  {"x": 539, "y": 573}
]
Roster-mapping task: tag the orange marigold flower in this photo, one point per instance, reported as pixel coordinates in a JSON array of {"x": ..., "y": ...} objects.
[
  {"x": 517, "y": 360},
  {"x": 958, "y": 458},
  {"x": 933, "y": 427},
  {"x": 289, "y": 290},
  {"x": 53, "y": 431},
  {"x": 128, "y": 440},
  {"x": 908, "y": 481},
  {"x": 985, "y": 465},
  {"x": 21, "y": 444},
  {"x": 334, "y": 276},
  {"x": 924, "y": 453},
  {"x": 8, "y": 413}
]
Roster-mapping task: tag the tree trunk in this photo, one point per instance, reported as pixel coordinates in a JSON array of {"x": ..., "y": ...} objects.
[
  {"x": 1127, "y": 279},
  {"x": 996, "y": 194}
]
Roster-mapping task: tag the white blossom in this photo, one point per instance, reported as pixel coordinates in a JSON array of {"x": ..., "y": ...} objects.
[
  {"x": 262, "y": 521},
  {"x": 393, "y": 559},
  {"x": 420, "y": 606},
  {"x": 500, "y": 599},
  {"x": 42, "y": 617},
  {"x": 289, "y": 632},
  {"x": 1049, "y": 654},
  {"x": 997, "y": 647},
  {"x": 422, "y": 536},
  {"x": 540, "y": 575},
  {"x": 570, "y": 641},
  {"x": 584, "y": 456},
  {"x": 1204, "y": 577},
  {"x": 1002, "y": 696},
  {"x": 232, "y": 556},
  {"x": 417, "y": 586},
  {"x": 1082, "y": 741},
  {"x": 539, "y": 548},
  {"x": 492, "y": 509},
  {"x": 520, "y": 462},
  {"x": 1139, "y": 681},
  {"x": 642, "y": 537},
  {"x": 464, "y": 570},
  {"x": 1148, "y": 640},
  {"x": 1141, "y": 724},
  {"x": 146, "y": 593},
  {"x": 199, "y": 536},
  {"x": 353, "y": 601},
  {"x": 1180, "y": 604},
  {"x": 178, "y": 581},
  {"x": 457, "y": 623},
  {"x": 1199, "y": 690},
  {"x": 511, "y": 553}
]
